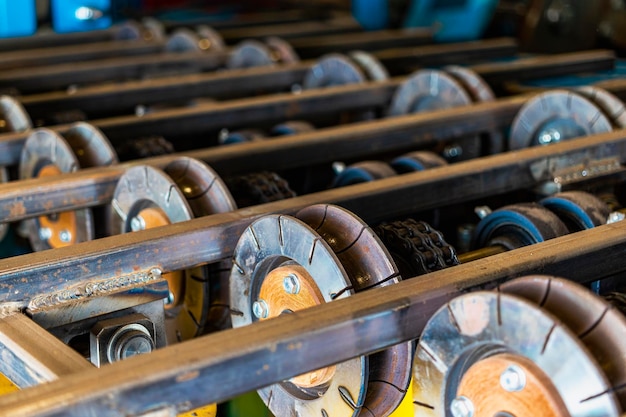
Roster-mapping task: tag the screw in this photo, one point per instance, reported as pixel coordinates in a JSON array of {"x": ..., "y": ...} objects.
[
  {"x": 462, "y": 407},
  {"x": 291, "y": 283},
  {"x": 482, "y": 211},
  {"x": 513, "y": 379},
  {"x": 45, "y": 233},
  {"x": 260, "y": 309},
  {"x": 137, "y": 223},
  {"x": 65, "y": 236}
]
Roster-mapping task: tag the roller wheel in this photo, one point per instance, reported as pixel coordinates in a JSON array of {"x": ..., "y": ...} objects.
[
  {"x": 578, "y": 210},
  {"x": 473, "y": 357},
  {"x": 333, "y": 70},
  {"x": 283, "y": 264},
  {"x": 556, "y": 116},
  {"x": 417, "y": 161},
  {"x": 363, "y": 172}
]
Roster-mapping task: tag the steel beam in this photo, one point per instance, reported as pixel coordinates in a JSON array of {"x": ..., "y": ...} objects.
[
  {"x": 218, "y": 367},
  {"x": 212, "y": 238}
]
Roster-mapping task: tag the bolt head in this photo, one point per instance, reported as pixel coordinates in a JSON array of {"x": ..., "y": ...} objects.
[
  {"x": 260, "y": 309},
  {"x": 291, "y": 283},
  {"x": 453, "y": 151},
  {"x": 45, "y": 233},
  {"x": 513, "y": 379},
  {"x": 65, "y": 236},
  {"x": 462, "y": 407},
  {"x": 137, "y": 223}
]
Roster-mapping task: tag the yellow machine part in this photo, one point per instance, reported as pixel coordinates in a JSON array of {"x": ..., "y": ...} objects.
[
  {"x": 405, "y": 409},
  {"x": 7, "y": 387}
]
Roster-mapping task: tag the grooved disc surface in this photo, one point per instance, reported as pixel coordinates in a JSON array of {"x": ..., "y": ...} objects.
[
  {"x": 608, "y": 103},
  {"x": 371, "y": 66},
  {"x": 333, "y": 70},
  {"x": 249, "y": 54}
]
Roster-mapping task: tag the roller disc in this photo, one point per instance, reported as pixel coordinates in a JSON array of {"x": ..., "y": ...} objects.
[
  {"x": 417, "y": 161},
  {"x": 145, "y": 197},
  {"x": 607, "y": 102},
  {"x": 370, "y": 65},
  {"x": 210, "y": 40},
  {"x": 183, "y": 40},
  {"x": 45, "y": 153},
  {"x": 249, "y": 54},
  {"x": 206, "y": 300},
  {"x": 428, "y": 90},
  {"x": 480, "y": 92},
  {"x": 556, "y": 116},
  {"x": 578, "y": 210},
  {"x": 90, "y": 145},
  {"x": 498, "y": 354},
  {"x": 363, "y": 172},
  {"x": 153, "y": 29},
  {"x": 368, "y": 265},
  {"x": 333, "y": 70},
  {"x": 599, "y": 326},
  {"x": 283, "y": 52},
  {"x": 518, "y": 225},
  {"x": 129, "y": 30},
  {"x": 281, "y": 265},
  {"x": 13, "y": 118}
]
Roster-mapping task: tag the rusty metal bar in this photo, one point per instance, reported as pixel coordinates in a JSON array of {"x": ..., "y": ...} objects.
[
  {"x": 106, "y": 70},
  {"x": 85, "y": 188},
  {"x": 218, "y": 367},
  {"x": 212, "y": 238}
]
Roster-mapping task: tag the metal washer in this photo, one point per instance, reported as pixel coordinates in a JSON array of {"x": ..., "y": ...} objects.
[
  {"x": 555, "y": 116},
  {"x": 333, "y": 70},
  {"x": 266, "y": 244},
  {"x": 46, "y": 148},
  {"x": 478, "y": 325}
]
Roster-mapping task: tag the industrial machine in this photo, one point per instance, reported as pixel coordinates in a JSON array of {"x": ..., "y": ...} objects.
[{"x": 333, "y": 221}]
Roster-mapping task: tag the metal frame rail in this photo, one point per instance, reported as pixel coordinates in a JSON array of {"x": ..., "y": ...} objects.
[{"x": 217, "y": 367}]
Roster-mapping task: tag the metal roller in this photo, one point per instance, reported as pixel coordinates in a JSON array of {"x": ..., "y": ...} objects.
[
  {"x": 333, "y": 70},
  {"x": 371, "y": 66},
  {"x": 300, "y": 263},
  {"x": 578, "y": 210},
  {"x": 47, "y": 153},
  {"x": 612, "y": 106},
  {"x": 417, "y": 161},
  {"x": 518, "y": 225},
  {"x": 477, "y": 356},
  {"x": 184, "y": 40},
  {"x": 363, "y": 172},
  {"x": 555, "y": 116}
]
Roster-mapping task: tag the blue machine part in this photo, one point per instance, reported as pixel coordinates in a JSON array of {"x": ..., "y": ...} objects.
[
  {"x": 80, "y": 15},
  {"x": 363, "y": 172},
  {"x": 371, "y": 14},
  {"x": 452, "y": 20},
  {"x": 17, "y": 18}
]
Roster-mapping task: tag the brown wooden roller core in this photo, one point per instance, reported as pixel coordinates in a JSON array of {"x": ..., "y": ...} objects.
[
  {"x": 481, "y": 384},
  {"x": 64, "y": 221},
  {"x": 279, "y": 301},
  {"x": 155, "y": 217}
]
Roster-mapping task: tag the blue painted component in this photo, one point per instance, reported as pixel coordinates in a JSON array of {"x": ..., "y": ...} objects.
[
  {"x": 506, "y": 218},
  {"x": 75, "y": 16},
  {"x": 559, "y": 204},
  {"x": 17, "y": 18},
  {"x": 371, "y": 14},
  {"x": 453, "y": 20}
]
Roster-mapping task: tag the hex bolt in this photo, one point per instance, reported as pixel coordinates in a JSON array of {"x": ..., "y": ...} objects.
[
  {"x": 291, "y": 284},
  {"x": 45, "y": 233},
  {"x": 462, "y": 407},
  {"x": 260, "y": 309},
  {"x": 453, "y": 151},
  {"x": 65, "y": 236},
  {"x": 137, "y": 223},
  {"x": 513, "y": 379},
  {"x": 549, "y": 136}
]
